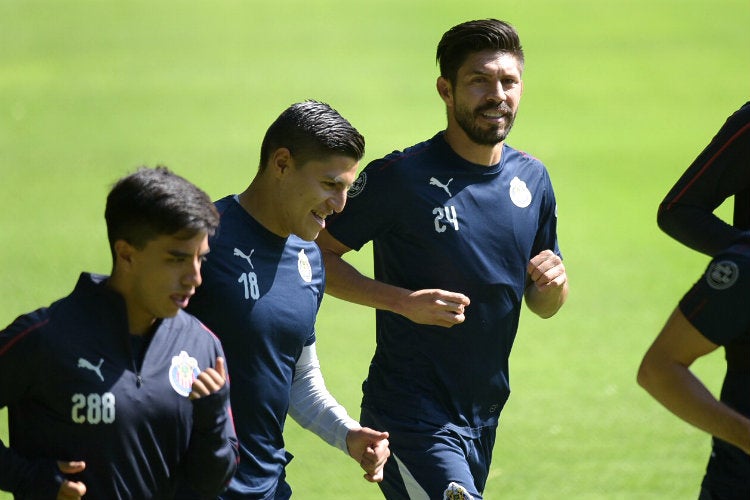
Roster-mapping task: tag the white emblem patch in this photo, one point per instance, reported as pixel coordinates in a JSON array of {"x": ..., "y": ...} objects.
[
  {"x": 456, "y": 492},
  {"x": 303, "y": 264},
  {"x": 519, "y": 193},
  {"x": 358, "y": 186},
  {"x": 723, "y": 274},
  {"x": 183, "y": 372}
]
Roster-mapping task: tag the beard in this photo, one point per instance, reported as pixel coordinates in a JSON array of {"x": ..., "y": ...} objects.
[{"x": 495, "y": 134}]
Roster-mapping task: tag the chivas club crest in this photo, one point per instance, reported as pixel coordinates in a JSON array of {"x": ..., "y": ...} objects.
[
  {"x": 519, "y": 193},
  {"x": 304, "y": 267},
  {"x": 183, "y": 371}
]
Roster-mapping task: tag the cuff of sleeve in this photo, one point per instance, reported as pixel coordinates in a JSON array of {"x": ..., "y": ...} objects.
[
  {"x": 44, "y": 481},
  {"x": 210, "y": 411},
  {"x": 346, "y": 425}
]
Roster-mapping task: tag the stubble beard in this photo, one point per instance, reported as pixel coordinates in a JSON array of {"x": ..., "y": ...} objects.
[{"x": 492, "y": 136}]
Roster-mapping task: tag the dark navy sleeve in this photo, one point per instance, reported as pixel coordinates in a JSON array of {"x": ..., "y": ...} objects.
[
  {"x": 720, "y": 171},
  {"x": 212, "y": 455},
  {"x": 717, "y": 304},
  {"x": 546, "y": 238},
  {"x": 371, "y": 206},
  {"x": 26, "y": 478}
]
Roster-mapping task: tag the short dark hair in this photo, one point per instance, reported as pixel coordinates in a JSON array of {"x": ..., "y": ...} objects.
[
  {"x": 153, "y": 202},
  {"x": 312, "y": 130},
  {"x": 474, "y": 36}
]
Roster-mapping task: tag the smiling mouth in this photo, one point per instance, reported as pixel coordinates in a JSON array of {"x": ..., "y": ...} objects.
[
  {"x": 496, "y": 112},
  {"x": 494, "y": 115},
  {"x": 181, "y": 299},
  {"x": 321, "y": 218}
]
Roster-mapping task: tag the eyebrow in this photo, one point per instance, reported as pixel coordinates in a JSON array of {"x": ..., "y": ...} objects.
[
  {"x": 182, "y": 255},
  {"x": 335, "y": 179}
]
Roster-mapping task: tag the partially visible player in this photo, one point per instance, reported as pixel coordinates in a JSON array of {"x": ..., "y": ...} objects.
[
  {"x": 262, "y": 290},
  {"x": 713, "y": 313},
  {"x": 464, "y": 229},
  {"x": 720, "y": 171},
  {"x": 114, "y": 391}
]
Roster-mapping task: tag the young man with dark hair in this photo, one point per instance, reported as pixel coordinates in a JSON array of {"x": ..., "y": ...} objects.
[
  {"x": 262, "y": 290},
  {"x": 113, "y": 391},
  {"x": 463, "y": 228}
]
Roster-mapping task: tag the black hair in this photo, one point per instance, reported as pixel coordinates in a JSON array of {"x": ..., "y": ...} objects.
[
  {"x": 474, "y": 36},
  {"x": 153, "y": 202},
  {"x": 312, "y": 130}
]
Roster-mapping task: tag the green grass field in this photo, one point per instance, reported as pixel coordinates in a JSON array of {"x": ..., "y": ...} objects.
[{"x": 619, "y": 98}]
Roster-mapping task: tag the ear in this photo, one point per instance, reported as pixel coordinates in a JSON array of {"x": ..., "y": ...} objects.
[
  {"x": 445, "y": 90},
  {"x": 124, "y": 253},
  {"x": 281, "y": 162}
]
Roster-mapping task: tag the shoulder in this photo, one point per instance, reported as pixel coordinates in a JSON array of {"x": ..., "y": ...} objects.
[
  {"x": 191, "y": 327},
  {"x": 303, "y": 248},
  {"x": 24, "y": 327},
  {"x": 224, "y": 203},
  {"x": 522, "y": 159},
  {"x": 399, "y": 160},
  {"x": 742, "y": 115},
  {"x": 58, "y": 314}
]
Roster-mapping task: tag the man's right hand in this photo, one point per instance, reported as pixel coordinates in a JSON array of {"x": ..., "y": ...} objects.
[
  {"x": 434, "y": 307},
  {"x": 71, "y": 490}
]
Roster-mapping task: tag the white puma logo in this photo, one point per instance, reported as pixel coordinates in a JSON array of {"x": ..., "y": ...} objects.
[
  {"x": 435, "y": 182},
  {"x": 86, "y": 364},
  {"x": 238, "y": 253}
]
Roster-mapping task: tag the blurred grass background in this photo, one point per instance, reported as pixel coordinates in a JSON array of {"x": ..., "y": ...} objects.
[{"x": 619, "y": 99}]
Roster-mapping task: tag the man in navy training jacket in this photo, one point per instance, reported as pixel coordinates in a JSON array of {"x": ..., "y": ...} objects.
[{"x": 114, "y": 391}]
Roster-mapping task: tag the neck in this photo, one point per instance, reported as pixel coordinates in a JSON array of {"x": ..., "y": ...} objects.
[
  {"x": 471, "y": 151},
  {"x": 256, "y": 200},
  {"x": 137, "y": 324}
]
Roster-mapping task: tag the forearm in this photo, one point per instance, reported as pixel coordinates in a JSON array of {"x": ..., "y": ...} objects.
[
  {"x": 345, "y": 282},
  {"x": 683, "y": 394},
  {"x": 545, "y": 302},
  {"x": 313, "y": 407},
  {"x": 27, "y": 478},
  {"x": 212, "y": 455},
  {"x": 697, "y": 227}
]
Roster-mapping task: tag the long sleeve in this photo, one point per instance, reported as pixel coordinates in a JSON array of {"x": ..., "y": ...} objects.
[
  {"x": 26, "y": 478},
  {"x": 720, "y": 171},
  {"x": 212, "y": 456},
  {"x": 313, "y": 407}
]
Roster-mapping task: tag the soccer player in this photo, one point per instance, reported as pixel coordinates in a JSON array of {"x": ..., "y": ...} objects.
[
  {"x": 463, "y": 227},
  {"x": 114, "y": 391},
  {"x": 720, "y": 171},
  {"x": 713, "y": 313},
  {"x": 262, "y": 290}
]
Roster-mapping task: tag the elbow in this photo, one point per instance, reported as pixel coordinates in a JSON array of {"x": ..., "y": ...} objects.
[
  {"x": 664, "y": 218},
  {"x": 645, "y": 375}
]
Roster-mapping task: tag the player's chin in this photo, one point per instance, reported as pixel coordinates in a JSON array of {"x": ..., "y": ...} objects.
[
  {"x": 310, "y": 231},
  {"x": 170, "y": 310}
]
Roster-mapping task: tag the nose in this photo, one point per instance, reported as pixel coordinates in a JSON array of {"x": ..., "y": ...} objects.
[
  {"x": 497, "y": 92},
  {"x": 192, "y": 276},
  {"x": 337, "y": 201}
]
